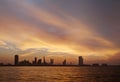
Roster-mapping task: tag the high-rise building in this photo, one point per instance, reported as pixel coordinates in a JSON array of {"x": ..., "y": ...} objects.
[
  {"x": 51, "y": 61},
  {"x": 80, "y": 60},
  {"x": 64, "y": 62},
  {"x": 39, "y": 61},
  {"x": 16, "y": 60}
]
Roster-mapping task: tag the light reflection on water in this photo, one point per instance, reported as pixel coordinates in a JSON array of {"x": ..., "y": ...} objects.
[{"x": 59, "y": 74}]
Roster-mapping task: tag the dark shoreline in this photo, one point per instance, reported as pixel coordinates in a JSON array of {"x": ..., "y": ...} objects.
[{"x": 56, "y": 66}]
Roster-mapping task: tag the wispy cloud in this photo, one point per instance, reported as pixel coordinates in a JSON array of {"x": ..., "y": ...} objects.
[{"x": 28, "y": 25}]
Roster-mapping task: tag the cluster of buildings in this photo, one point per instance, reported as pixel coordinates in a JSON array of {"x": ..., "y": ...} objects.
[
  {"x": 43, "y": 62},
  {"x": 34, "y": 62},
  {"x": 40, "y": 62}
]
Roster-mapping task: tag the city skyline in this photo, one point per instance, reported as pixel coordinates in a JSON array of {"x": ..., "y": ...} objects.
[
  {"x": 42, "y": 62},
  {"x": 51, "y": 62},
  {"x": 60, "y": 30}
]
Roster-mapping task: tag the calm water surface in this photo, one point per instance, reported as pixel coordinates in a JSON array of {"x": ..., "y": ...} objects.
[{"x": 59, "y": 74}]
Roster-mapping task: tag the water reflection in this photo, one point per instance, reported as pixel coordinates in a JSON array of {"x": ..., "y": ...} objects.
[{"x": 59, "y": 74}]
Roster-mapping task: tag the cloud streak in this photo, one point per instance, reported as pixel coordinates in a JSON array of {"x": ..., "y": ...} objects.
[{"x": 28, "y": 25}]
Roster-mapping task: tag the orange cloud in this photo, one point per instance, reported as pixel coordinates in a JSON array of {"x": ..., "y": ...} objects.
[{"x": 36, "y": 27}]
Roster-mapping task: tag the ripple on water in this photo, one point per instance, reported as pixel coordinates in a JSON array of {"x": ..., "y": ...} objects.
[{"x": 59, "y": 74}]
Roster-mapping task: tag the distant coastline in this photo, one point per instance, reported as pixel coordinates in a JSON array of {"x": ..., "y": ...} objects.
[
  {"x": 43, "y": 62},
  {"x": 57, "y": 65}
]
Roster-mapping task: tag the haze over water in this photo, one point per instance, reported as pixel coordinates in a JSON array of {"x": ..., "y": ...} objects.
[{"x": 59, "y": 74}]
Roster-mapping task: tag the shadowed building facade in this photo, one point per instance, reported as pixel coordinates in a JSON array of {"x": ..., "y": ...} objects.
[
  {"x": 64, "y": 62},
  {"x": 51, "y": 61},
  {"x": 80, "y": 60},
  {"x": 16, "y": 60}
]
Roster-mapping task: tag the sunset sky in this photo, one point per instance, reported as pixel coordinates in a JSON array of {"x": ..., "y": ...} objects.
[{"x": 60, "y": 29}]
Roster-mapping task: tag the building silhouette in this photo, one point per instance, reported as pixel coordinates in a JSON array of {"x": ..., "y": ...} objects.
[
  {"x": 24, "y": 63},
  {"x": 16, "y": 60},
  {"x": 44, "y": 61},
  {"x": 39, "y": 62},
  {"x": 51, "y": 61},
  {"x": 80, "y": 60},
  {"x": 64, "y": 62},
  {"x": 95, "y": 64},
  {"x": 35, "y": 61},
  {"x": 104, "y": 64},
  {"x": 1, "y": 64}
]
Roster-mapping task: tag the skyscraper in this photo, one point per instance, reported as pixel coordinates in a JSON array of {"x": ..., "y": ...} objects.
[
  {"x": 44, "y": 61},
  {"x": 39, "y": 61},
  {"x": 64, "y": 62},
  {"x": 16, "y": 60},
  {"x": 80, "y": 60},
  {"x": 51, "y": 61}
]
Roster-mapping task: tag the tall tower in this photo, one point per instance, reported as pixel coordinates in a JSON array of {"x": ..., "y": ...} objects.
[
  {"x": 16, "y": 60},
  {"x": 80, "y": 60},
  {"x": 39, "y": 61},
  {"x": 51, "y": 61},
  {"x": 64, "y": 62}
]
